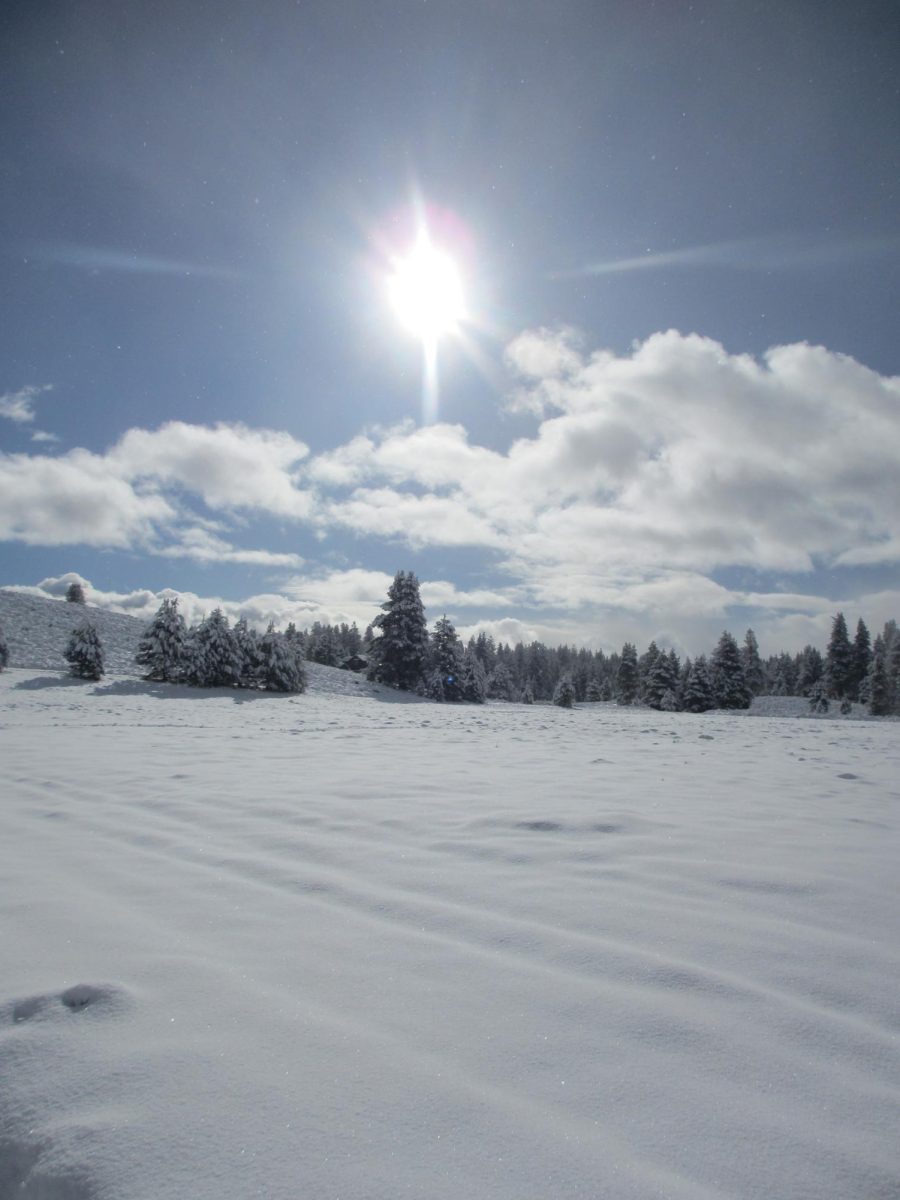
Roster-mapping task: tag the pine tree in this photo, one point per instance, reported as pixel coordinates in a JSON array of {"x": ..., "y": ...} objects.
[
  {"x": 646, "y": 663},
  {"x": 627, "y": 675},
  {"x": 473, "y": 678},
  {"x": 727, "y": 675},
  {"x": 839, "y": 664},
  {"x": 698, "y": 694},
  {"x": 594, "y": 691},
  {"x": 528, "y": 693},
  {"x": 446, "y": 662},
  {"x": 162, "y": 646},
  {"x": 280, "y": 664},
  {"x": 75, "y": 594},
  {"x": 818, "y": 697},
  {"x": 812, "y": 668},
  {"x": 500, "y": 683},
  {"x": 249, "y": 658},
  {"x": 662, "y": 678},
  {"x": 754, "y": 675},
  {"x": 214, "y": 660},
  {"x": 879, "y": 689},
  {"x": 399, "y": 653},
  {"x": 4, "y": 651},
  {"x": 84, "y": 652},
  {"x": 564, "y": 694},
  {"x": 862, "y": 657}
]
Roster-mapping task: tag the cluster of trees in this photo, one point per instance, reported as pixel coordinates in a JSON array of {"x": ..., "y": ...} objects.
[
  {"x": 213, "y": 654},
  {"x": 403, "y": 654}
]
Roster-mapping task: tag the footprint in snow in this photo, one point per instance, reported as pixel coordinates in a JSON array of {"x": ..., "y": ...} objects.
[{"x": 100, "y": 997}]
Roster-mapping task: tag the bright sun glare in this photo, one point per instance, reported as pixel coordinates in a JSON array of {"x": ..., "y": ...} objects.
[{"x": 426, "y": 291}]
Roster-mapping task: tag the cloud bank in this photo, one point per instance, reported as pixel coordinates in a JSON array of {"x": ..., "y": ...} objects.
[{"x": 645, "y": 475}]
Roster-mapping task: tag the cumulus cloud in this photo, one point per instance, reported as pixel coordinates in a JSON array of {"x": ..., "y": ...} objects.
[{"x": 19, "y": 406}]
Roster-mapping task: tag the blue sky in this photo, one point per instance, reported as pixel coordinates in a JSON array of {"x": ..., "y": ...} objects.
[{"x": 674, "y": 405}]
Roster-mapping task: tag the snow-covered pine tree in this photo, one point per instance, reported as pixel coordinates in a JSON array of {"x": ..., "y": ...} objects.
[
  {"x": 662, "y": 678},
  {"x": 878, "y": 684},
  {"x": 818, "y": 697},
  {"x": 528, "y": 693},
  {"x": 754, "y": 674},
  {"x": 399, "y": 650},
  {"x": 280, "y": 665},
  {"x": 812, "y": 667},
  {"x": 594, "y": 691},
  {"x": 84, "y": 653},
  {"x": 247, "y": 642},
  {"x": 162, "y": 646},
  {"x": 839, "y": 664},
  {"x": 646, "y": 663},
  {"x": 501, "y": 685},
  {"x": 213, "y": 654},
  {"x": 727, "y": 675},
  {"x": 862, "y": 657},
  {"x": 627, "y": 675},
  {"x": 75, "y": 594},
  {"x": 564, "y": 695},
  {"x": 446, "y": 661},
  {"x": 4, "y": 651},
  {"x": 474, "y": 680},
  {"x": 697, "y": 695}
]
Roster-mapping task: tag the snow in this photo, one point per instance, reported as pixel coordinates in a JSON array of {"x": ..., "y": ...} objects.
[{"x": 353, "y": 945}]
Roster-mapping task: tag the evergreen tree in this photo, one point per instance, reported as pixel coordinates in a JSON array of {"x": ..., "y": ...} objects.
[
  {"x": 280, "y": 664},
  {"x": 564, "y": 693},
  {"x": 818, "y": 697},
  {"x": 594, "y": 691},
  {"x": 246, "y": 641},
  {"x": 839, "y": 664},
  {"x": 84, "y": 652},
  {"x": 862, "y": 658},
  {"x": 879, "y": 689},
  {"x": 4, "y": 651},
  {"x": 662, "y": 678},
  {"x": 627, "y": 675},
  {"x": 446, "y": 662},
  {"x": 812, "y": 668},
  {"x": 473, "y": 678},
  {"x": 528, "y": 693},
  {"x": 754, "y": 674},
  {"x": 646, "y": 663},
  {"x": 214, "y": 659},
  {"x": 698, "y": 694},
  {"x": 399, "y": 652},
  {"x": 727, "y": 675},
  {"x": 162, "y": 647},
  {"x": 75, "y": 594},
  {"x": 500, "y": 683}
]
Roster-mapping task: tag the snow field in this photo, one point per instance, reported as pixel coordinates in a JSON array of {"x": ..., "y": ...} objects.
[{"x": 331, "y": 946}]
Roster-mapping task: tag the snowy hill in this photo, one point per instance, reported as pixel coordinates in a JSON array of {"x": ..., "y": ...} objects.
[{"x": 37, "y": 630}]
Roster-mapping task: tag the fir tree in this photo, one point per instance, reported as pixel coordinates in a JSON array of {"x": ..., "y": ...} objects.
[
  {"x": 862, "y": 657},
  {"x": 627, "y": 675},
  {"x": 662, "y": 678},
  {"x": 4, "y": 651},
  {"x": 754, "y": 675},
  {"x": 249, "y": 661},
  {"x": 698, "y": 694},
  {"x": 839, "y": 664},
  {"x": 214, "y": 660},
  {"x": 727, "y": 675},
  {"x": 75, "y": 594},
  {"x": 879, "y": 689},
  {"x": 473, "y": 678},
  {"x": 528, "y": 693},
  {"x": 399, "y": 652},
  {"x": 500, "y": 683},
  {"x": 594, "y": 691},
  {"x": 446, "y": 661},
  {"x": 162, "y": 646},
  {"x": 646, "y": 663},
  {"x": 818, "y": 697},
  {"x": 84, "y": 652},
  {"x": 812, "y": 668},
  {"x": 280, "y": 664},
  {"x": 564, "y": 694}
]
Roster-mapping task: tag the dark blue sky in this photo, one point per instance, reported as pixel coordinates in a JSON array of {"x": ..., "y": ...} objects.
[{"x": 192, "y": 196}]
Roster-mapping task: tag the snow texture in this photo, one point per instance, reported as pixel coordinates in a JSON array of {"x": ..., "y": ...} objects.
[{"x": 353, "y": 944}]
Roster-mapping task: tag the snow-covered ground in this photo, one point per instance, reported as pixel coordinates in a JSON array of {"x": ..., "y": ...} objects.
[{"x": 352, "y": 946}]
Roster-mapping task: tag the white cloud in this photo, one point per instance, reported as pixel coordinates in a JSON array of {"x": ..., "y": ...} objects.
[
  {"x": 41, "y": 435},
  {"x": 19, "y": 406},
  {"x": 200, "y": 545}
]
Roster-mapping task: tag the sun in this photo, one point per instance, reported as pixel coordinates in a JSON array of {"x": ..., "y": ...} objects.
[{"x": 426, "y": 291}]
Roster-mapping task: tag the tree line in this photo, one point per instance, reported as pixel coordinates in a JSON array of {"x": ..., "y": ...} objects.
[{"x": 398, "y": 649}]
